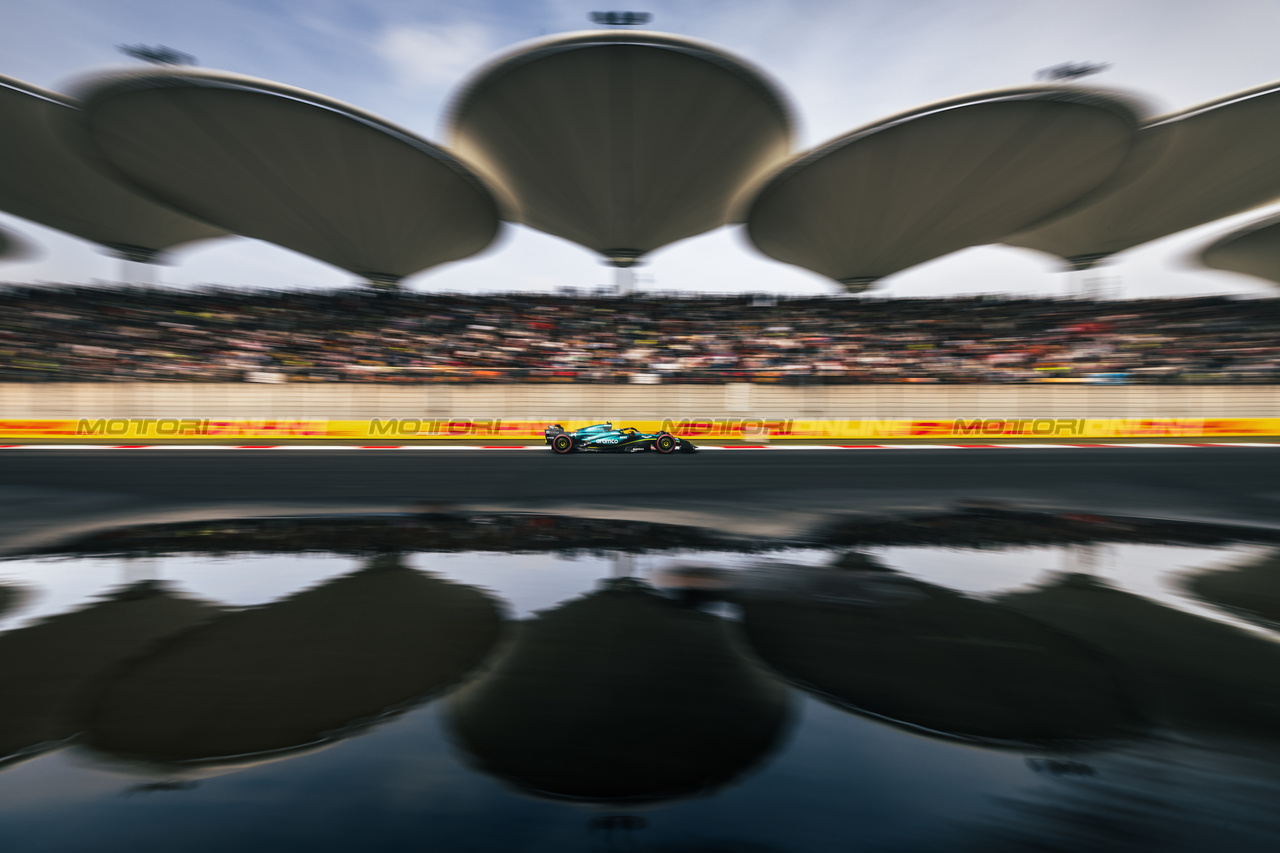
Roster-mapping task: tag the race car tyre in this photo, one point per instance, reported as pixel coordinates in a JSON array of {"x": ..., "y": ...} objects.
[
  {"x": 562, "y": 444},
  {"x": 665, "y": 444}
]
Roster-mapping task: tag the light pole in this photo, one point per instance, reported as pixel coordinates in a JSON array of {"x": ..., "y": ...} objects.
[
  {"x": 1071, "y": 70},
  {"x": 620, "y": 19},
  {"x": 158, "y": 55}
]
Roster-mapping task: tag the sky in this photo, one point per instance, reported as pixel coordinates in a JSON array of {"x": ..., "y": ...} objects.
[{"x": 842, "y": 64}]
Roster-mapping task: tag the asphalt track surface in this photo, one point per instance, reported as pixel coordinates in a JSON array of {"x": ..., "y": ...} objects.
[{"x": 300, "y": 475}]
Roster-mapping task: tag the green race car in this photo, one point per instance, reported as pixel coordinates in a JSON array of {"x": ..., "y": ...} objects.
[{"x": 605, "y": 438}]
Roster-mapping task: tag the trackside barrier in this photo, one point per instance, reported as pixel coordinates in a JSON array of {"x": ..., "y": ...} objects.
[{"x": 748, "y": 429}]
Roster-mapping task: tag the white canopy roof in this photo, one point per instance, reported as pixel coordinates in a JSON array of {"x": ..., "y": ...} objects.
[
  {"x": 1213, "y": 160},
  {"x": 292, "y": 167},
  {"x": 620, "y": 141},
  {"x": 1254, "y": 250},
  {"x": 939, "y": 178},
  {"x": 44, "y": 177}
]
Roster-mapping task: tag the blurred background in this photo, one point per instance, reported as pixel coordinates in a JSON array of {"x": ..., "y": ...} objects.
[{"x": 843, "y": 64}]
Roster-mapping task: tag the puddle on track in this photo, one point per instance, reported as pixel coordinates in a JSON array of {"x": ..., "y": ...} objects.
[{"x": 882, "y": 695}]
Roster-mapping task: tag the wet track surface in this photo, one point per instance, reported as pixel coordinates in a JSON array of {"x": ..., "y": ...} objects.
[
  {"x": 805, "y": 651},
  {"x": 496, "y": 683},
  {"x": 299, "y": 474},
  {"x": 750, "y": 493}
]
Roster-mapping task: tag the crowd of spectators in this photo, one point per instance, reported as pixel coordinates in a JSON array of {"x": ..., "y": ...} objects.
[{"x": 56, "y": 333}]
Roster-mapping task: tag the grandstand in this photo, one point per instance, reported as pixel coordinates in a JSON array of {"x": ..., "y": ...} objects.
[{"x": 120, "y": 334}]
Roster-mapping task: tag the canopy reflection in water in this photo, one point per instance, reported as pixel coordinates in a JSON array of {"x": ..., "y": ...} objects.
[
  {"x": 47, "y": 669},
  {"x": 13, "y": 247},
  {"x": 1198, "y": 674},
  {"x": 12, "y": 598},
  {"x": 621, "y": 695},
  {"x": 299, "y": 671},
  {"x": 932, "y": 659},
  {"x": 1250, "y": 591}
]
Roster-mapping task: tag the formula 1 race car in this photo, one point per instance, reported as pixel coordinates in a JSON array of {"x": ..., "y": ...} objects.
[{"x": 603, "y": 438}]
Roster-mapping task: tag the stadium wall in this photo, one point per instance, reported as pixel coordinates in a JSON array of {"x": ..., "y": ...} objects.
[{"x": 518, "y": 402}]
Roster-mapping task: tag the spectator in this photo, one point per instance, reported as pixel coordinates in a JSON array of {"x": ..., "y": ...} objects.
[{"x": 94, "y": 334}]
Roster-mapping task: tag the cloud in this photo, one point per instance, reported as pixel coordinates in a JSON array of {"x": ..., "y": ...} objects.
[{"x": 423, "y": 57}]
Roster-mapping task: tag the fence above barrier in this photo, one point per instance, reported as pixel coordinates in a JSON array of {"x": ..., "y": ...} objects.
[{"x": 522, "y": 402}]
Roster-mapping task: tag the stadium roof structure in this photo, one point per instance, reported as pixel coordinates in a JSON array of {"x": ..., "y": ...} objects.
[
  {"x": 1189, "y": 168},
  {"x": 941, "y": 177},
  {"x": 621, "y": 141},
  {"x": 45, "y": 177},
  {"x": 292, "y": 167},
  {"x": 11, "y": 598},
  {"x": 1253, "y": 250}
]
